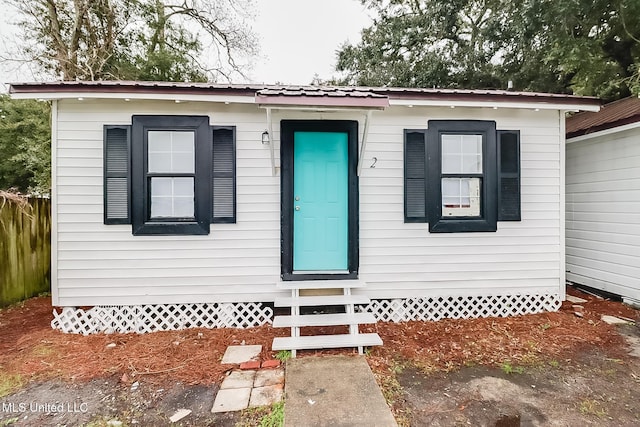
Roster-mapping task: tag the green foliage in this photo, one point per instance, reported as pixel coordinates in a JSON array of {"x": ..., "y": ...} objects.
[
  {"x": 25, "y": 145},
  {"x": 508, "y": 369},
  {"x": 263, "y": 416},
  {"x": 9, "y": 383},
  {"x": 190, "y": 40},
  {"x": 283, "y": 355},
  {"x": 592, "y": 407},
  {"x": 590, "y": 47},
  {"x": 275, "y": 418}
]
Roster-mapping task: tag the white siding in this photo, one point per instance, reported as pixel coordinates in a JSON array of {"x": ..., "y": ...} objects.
[
  {"x": 402, "y": 260},
  {"x": 603, "y": 212},
  {"x": 99, "y": 264},
  {"x": 106, "y": 264}
]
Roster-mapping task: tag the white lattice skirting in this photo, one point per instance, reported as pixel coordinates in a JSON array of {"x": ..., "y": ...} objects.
[
  {"x": 162, "y": 317},
  {"x": 150, "y": 318},
  {"x": 461, "y": 307}
]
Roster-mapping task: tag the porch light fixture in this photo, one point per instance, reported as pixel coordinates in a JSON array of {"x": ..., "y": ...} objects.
[{"x": 265, "y": 138}]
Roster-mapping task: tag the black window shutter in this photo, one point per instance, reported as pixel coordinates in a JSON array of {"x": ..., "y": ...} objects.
[
  {"x": 508, "y": 175},
  {"x": 224, "y": 175},
  {"x": 414, "y": 175},
  {"x": 117, "y": 179}
]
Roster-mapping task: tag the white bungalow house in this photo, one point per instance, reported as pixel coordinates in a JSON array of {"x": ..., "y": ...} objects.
[
  {"x": 188, "y": 204},
  {"x": 603, "y": 199}
]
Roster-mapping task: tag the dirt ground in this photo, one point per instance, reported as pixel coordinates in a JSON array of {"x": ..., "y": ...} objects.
[
  {"x": 99, "y": 401},
  {"x": 549, "y": 369},
  {"x": 590, "y": 388}
]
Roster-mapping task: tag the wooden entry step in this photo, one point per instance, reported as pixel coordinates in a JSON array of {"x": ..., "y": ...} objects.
[
  {"x": 320, "y": 300},
  {"x": 323, "y": 320},
  {"x": 349, "y": 318},
  {"x": 321, "y": 284},
  {"x": 326, "y": 341}
]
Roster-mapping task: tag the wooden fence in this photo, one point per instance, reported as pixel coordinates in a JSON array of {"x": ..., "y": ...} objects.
[{"x": 25, "y": 248}]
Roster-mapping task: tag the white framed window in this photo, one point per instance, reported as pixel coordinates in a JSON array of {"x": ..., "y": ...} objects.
[
  {"x": 461, "y": 175},
  {"x": 460, "y": 196},
  {"x": 169, "y": 175},
  {"x": 461, "y": 169},
  {"x": 171, "y": 172}
]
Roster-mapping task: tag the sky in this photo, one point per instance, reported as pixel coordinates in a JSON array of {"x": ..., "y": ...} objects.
[{"x": 298, "y": 39}]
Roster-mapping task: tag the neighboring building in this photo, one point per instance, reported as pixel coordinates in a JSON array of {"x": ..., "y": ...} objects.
[
  {"x": 603, "y": 199},
  {"x": 188, "y": 204}
]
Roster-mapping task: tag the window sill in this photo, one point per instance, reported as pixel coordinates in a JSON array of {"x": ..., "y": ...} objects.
[
  {"x": 459, "y": 225},
  {"x": 172, "y": 229}
]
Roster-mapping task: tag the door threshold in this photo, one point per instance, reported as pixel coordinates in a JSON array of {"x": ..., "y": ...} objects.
[{"x": 320, "y": 272}]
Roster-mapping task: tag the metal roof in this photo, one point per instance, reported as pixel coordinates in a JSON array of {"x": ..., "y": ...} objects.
[
  {"x": 251, "y": 89},
  {"x": 614, "y": 114},
  {"x": 317, "y": 91},
  {"x": 322, "y": 96}
]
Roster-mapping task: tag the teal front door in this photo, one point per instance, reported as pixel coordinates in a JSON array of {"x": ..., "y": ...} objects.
[{"x": 321, "y": 202}]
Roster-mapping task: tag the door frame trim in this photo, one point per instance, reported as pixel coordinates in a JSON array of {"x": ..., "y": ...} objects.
[{"x": 287, "y": 129}]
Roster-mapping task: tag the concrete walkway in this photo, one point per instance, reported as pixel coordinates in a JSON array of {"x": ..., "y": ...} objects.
[{"x": 336, "y": 391}]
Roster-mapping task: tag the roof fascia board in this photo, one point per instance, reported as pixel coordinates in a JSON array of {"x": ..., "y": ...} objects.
[
  {"x": 492, "y": 104},
  {"x": 318, "y": 101},
  {"x": 317, "y": 108},
  {"x": 134, "y": 96},
  {"x": 250, "y": 98},
  {"x": 604, "y": 132}
]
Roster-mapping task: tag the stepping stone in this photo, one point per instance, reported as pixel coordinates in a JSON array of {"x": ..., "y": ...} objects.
[
  {"x": 180, "y": 414},
  {"x": 634, "y": 343},
  {"x": 269, "y": 377},
  {"x": 575, "y": 300},
  {"x": 266, "y": 396},
  {"x": 233, "y": 399},
  {"x": 236, "y": 354},
  {"x": 612, "y": 320},
  {"x": 238, "y": 379}
]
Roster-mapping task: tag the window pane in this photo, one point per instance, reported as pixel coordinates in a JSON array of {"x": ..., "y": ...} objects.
[
  {"x": 182, "y": 141},
  {"x": 183, "y": 207},
  {"x": 183, "y": 186},
  {"x": 159, "y": 162},
  {"x": 172, "y": 197},
  {"x": 451, "y": 153},
  {"x": 160, "y": 207},
  {"x": 159, "y": 140},
  {"x": 182, "y": 163},
  {"x": 472, "y": 163},
  {"x": 450, "y": 163},
  {"x": 451, "y": 144},
  {"x": 460, "y": 196},
  {"x": 161, "y": 187},
  {"x": 471, "y": 144},
  {"x": 171, "y": 151},
  {"x": 461, "y": 153}
]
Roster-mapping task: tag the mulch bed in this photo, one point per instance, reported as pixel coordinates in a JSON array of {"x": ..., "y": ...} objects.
[{"x": 30, "y": 347}]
